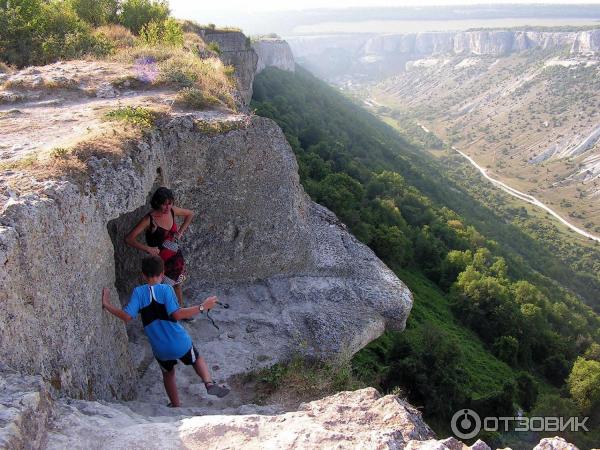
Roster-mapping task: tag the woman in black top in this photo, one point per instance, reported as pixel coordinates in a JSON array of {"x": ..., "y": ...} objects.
[{"x": 162, "y": 234}]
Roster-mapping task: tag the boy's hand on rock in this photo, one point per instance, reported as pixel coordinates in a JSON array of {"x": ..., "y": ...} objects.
[
  {"x": 209, "y": 303},
  {"x": 105, "y": 297},
  {"x": 153, "y": 251}
]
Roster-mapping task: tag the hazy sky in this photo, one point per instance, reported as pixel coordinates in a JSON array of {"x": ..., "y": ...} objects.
[{"x": 183, "y": 8}]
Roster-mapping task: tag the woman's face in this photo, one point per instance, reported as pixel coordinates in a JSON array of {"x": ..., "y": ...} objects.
[{"x": 165, "y": 207}]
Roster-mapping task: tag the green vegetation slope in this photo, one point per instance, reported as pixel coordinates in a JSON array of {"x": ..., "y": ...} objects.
[{"x": 488, "y": 330}]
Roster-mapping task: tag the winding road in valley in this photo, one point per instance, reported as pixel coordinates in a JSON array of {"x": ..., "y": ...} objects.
[{"x": 520, "y": 195}]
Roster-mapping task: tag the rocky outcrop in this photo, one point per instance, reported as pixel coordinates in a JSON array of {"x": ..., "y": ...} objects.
[
  {"x": 25, "y": 407},
  {"x": 273, "y": 53},
  {"x": 235, "y": 50},
  {"x": 555, "y": 443},
  {"x": 30, "y": 418},
  {"x": 348, "y": 420},
  {"x": 296, "y": 280}
]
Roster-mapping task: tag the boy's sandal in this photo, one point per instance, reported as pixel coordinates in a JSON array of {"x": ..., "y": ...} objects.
[
  {"x": 170, "y": 405},
  {"x": 213, "y": 388}
]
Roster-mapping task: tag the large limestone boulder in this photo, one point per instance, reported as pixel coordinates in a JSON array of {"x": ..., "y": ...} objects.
[{"x": 296, "y": 280}]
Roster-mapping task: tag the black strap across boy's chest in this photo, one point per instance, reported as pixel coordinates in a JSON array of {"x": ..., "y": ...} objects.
[{"x": 154, "y": 311}]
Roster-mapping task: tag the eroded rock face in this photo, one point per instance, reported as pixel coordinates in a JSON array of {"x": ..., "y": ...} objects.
[
  {"x": 235, "y": 50},
  {"x": 484, "y": 42},
  {"x": 274, "y": 53},
  {"x": 587, "y": 42}
]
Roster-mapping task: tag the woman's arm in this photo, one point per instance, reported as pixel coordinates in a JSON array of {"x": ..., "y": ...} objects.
[
  {"x": 131, "y": 238},
  {"x": 188, "y": 216}
]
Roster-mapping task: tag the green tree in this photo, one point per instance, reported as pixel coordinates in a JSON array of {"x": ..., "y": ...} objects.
[
  {"x": 584, "y": 385},
  {"x": 593, "y": 352},
  {"x": 527, "y": 390},
  {"x": 96, "y": 12},
  {"x": 34, "y": 32},
  {"x": 20, "y": 30},
  {"x": 342, "y": 194},
  {"x": 137, "y": 13},
  {"x": 433, "y": 371},
  {"x": 167, "y": 32},
  {"x": 506, "y": 348},
  {"x": 391, "y": 245}
]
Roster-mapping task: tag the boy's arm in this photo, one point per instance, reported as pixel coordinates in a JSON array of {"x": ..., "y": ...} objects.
[
  {"x": 188, "y": 313},
  {"x": 118, "y": 312}
]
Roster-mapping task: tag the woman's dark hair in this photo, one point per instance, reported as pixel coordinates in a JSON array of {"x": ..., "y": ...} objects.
[
  {"x": 161, "y": 196},
  {"x": 152, "y": 266}
]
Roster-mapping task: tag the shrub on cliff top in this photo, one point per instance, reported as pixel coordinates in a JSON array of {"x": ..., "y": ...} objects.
[
  {"x": 167, "y": 32},
  {"x": 96, "y": 12},
  {"x": 36, "y": 32},
  {"x": 137, "y": 13}
]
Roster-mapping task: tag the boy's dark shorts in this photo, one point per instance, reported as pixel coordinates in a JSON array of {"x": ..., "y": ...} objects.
[{"x": 188, "y": 359}]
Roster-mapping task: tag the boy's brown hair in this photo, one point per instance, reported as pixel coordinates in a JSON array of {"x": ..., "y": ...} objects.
[{"x": 152, "y": 266}]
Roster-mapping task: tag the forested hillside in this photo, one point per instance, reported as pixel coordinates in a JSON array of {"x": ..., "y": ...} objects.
[{"x": 490, "y": 328}]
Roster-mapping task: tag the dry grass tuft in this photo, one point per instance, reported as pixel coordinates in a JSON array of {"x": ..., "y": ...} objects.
[
  {"x": 137, "y": 53},
  {"x": 208, "y": 76},
  {"x": 194, "y": 98},
  {"x": 27, "y": 162},
  {"x": 220, "y": 127},
  {"x": 136, "y": 115},
  {"x": 118, "y": 35},
  {"x": 300, "y": 381},
  {"x": 193, "y": 43},
  {"x": 5, "y": 68}
]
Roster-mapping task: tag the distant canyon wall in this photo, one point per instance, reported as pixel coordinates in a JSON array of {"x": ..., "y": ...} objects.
[{"x": 484, "y": 42}]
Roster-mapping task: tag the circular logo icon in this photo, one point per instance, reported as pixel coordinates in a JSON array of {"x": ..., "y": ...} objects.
[{"x": 465, "y": 424}]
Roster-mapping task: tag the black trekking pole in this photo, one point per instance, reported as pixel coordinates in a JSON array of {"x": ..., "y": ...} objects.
[{"x": 224, "y": 305}]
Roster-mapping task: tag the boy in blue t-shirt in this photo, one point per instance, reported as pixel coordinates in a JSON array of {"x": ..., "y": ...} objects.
[{"x": 160, "y": 311}]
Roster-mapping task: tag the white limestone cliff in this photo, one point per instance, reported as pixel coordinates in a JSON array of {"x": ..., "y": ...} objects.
[{"x": 273, "y": 53}]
